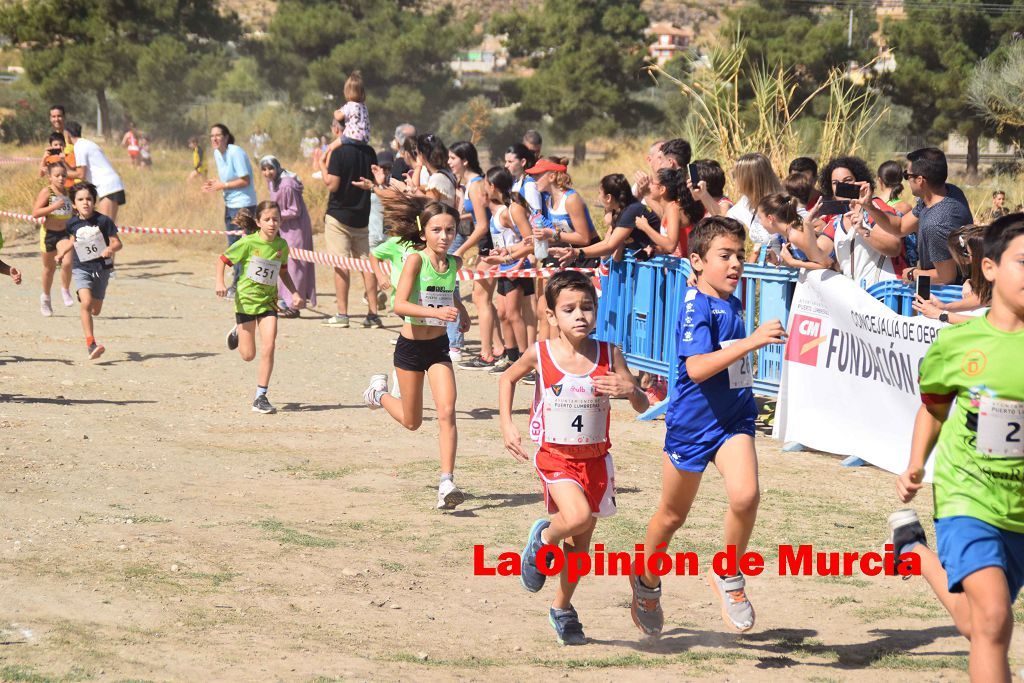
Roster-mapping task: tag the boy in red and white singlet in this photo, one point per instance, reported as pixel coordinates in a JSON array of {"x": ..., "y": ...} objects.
[{"x": 576, "y": 377}]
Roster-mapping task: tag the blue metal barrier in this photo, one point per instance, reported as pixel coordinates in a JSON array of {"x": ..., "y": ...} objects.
[
  {"x": 899, "y": 296},
  {"x": 639, "y": 309},
  {"x": 767, "y": 294}
]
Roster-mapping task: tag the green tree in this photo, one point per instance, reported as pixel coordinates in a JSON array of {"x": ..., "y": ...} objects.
[
  {"x": 143, "y": 50},
  {"x": 805, "y": 38},
  {"x": 587, "y": 57},
  {"x": 402, "y": 52},
  {"x": 936, "y": 51}
]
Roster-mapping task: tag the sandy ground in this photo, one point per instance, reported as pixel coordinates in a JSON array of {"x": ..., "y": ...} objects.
[{"x": 153, "y": 528}]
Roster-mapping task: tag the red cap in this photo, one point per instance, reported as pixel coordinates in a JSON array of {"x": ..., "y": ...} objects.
[{"x": 543, "y": 166}]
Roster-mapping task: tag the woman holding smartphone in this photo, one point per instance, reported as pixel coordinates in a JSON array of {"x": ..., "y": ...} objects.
[{"x": 848, "y": 242}]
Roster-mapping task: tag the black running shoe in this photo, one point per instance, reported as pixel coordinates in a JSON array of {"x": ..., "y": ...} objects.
[
  {"x": 232, "y": 338},
  {"x": 262, "y": 405},
  {"x": 373, "y": 320},
  {"x": 477, "y": 363}
]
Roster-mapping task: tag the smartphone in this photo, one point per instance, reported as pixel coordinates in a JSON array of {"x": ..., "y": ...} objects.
[
  {"x": 833, "y": 207},
  {"x": 924, "y": 286},
  {"x": 847, "y": 191},
  {"x": 694, "y": 176}
]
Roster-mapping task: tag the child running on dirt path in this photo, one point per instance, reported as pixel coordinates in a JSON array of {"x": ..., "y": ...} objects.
[
  {"x": 93, "y": 238},
  {"x": 974, "y": 369},
  {"x": 576, "y": 377},
  {"x": 53, "y": 205},
  {"x": 710, "y": 418},
  {"x": 425, "y": 296},
  {"x": 262, "y": 256}
]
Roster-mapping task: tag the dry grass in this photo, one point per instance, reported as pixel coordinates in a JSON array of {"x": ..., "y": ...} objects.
[{"x": 159, "y": 197}]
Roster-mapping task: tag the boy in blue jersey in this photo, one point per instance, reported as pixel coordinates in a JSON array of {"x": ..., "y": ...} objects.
[{"x": 710, "y": 418}]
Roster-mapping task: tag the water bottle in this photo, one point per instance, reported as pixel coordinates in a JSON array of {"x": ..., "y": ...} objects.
[
  {"x": 540, "y": 247},
  {"x": 540, "y": 250}
]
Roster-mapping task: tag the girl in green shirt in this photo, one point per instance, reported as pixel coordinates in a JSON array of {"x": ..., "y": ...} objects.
[
  {"x": 262, "y": 257},
  {"x": 426, "y": 298}
]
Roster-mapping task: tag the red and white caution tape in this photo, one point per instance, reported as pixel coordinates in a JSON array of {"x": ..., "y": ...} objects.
[
  {"x": 175, "y": 231},
  {"x": 21, "y": 216},
  {"x": 346, "y": 263},
  {"x": 11, "y": 161},
  {"x": 466, "y": 274}
]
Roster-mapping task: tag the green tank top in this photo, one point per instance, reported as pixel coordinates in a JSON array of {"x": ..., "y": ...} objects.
[{"x": 433, "y": 289}]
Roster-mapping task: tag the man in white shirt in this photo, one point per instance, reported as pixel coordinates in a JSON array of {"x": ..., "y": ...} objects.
[{"x": 92, "y": 166}]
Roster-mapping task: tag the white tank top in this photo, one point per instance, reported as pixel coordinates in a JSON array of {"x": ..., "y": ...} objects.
[{"x": 567, "y": 414}]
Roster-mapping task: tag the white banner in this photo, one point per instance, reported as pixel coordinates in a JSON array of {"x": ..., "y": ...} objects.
[{"x": 849, "y": 378}]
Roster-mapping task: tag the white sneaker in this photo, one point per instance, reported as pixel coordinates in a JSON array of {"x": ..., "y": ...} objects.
[
  {"x": 378, "y": 387},
  {"x": 449, "y": 495},
  {"x": 66, "y": 295},
  {"x": 455, "y": 355},
  {"x": 396, "y": 390},
  {"x": 394, "y": 341},
  {"x": 317, "y": 175},
  {"x": 44, "y": 305}
]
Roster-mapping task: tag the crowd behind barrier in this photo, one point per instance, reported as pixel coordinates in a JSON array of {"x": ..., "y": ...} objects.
[{"x": 639, "y": 310}]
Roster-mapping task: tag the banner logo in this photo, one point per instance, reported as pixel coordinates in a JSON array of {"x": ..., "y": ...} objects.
[{"x": 803, "y": 344}]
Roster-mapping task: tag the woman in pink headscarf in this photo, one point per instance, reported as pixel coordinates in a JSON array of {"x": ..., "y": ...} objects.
[{"x": 296, "y": 229}]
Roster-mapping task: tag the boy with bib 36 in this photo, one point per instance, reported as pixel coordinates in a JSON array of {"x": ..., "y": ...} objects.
[
  {"x": 972, "y": 412},
  {"x": 92, "y": 239},
  {"x": 261, "y": 255},
  {"x": 576, "y": 377}
]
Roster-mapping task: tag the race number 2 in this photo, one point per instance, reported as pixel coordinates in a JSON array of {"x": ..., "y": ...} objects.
[
  {"x": 741, "y": 375},
  {"x": 1000, "y": 423}
]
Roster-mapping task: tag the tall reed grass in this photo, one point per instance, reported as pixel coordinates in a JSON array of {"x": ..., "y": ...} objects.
[{"x": 722, "y": 126}]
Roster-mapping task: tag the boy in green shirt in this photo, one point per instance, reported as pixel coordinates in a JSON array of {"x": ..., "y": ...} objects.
[
  {"x": 975, "y": 368},
  {"x": 262, "y": 257}
]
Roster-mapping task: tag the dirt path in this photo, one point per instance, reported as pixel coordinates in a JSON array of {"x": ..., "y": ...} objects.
[{"x": 153, "y": 528}]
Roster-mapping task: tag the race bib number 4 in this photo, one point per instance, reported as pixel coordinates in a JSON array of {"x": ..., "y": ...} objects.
[
  {"x": 263, "y": 271},
  {"x": 741, "y": 374},
  {"x": 435, "y": 299},
  {"x": 576, "y": 421},
  {"x": 1000, "y": 427},
  {"x": 90, "y": 248}
]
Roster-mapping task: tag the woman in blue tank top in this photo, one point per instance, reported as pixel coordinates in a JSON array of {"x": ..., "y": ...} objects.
[{"x": 465, "y": 164}]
